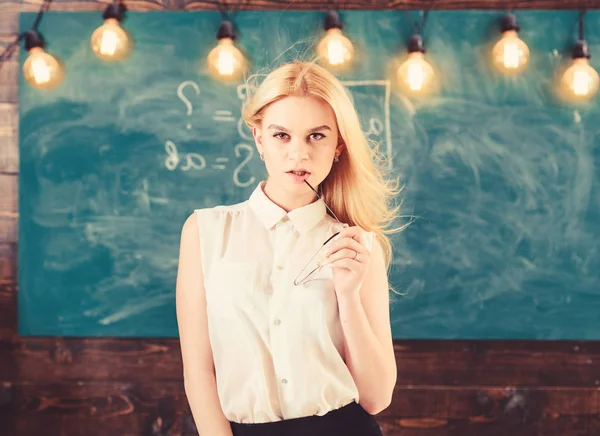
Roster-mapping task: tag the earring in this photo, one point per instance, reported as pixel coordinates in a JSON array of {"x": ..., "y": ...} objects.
[
  {"x": 262, "y": 157},
  {"x": 336, "y": 159}
]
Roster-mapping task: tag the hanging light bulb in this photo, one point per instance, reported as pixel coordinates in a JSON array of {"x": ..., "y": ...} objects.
[
  {"x": 510, "y": 53},
  {"x": 416, "y": 74},
  {"x": 580, "y": 80},
  {"x": 335, "y": 49},
  {"x": 41, "y": 70},
  {"x": 226, "y": 61},
  {"x": 110, "y": 41}
]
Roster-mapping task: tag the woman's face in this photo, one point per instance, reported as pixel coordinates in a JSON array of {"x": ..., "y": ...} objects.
[{"x": 298, "y": 134}]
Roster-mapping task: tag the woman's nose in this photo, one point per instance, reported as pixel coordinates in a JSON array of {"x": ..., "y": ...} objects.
[{"x": 299, "y": 150}]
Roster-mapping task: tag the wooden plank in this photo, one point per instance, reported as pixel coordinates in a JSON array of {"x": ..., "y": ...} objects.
[
  {"x": 8, "y": 77},
  {"x": 69, "y": 359},
  {"x": 8, "y": 207},
  {"x": 8, "y": 303},
  {"x": 95, "y": 408},
  {"x": 9, "y": 80},
  {"x": 9, "y": 151},
  {"x": 498, "y": 363},
  {"x": 8, "y": 265},
  {"x": 479, "y": 410},
  {"x": 392, "y": 4},
  {"x": 14, "y": 6}
]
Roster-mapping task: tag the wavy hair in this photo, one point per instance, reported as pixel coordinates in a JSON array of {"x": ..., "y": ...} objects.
[{"x": 356, "y": 188}]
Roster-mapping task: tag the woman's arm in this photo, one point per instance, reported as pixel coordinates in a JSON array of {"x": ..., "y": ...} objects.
[
  {"x": 198, "y": 367},
  {"x": 368, "y": 340}
]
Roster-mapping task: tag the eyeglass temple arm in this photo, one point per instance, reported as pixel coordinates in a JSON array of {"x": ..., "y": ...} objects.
[{"x": 319, "y": 197}]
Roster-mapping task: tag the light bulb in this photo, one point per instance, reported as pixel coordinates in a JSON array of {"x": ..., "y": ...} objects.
[
  {"x": 580, "y": 80},
  {"x": 416, "y": 73},
  {"x": 335, "y": 48},
  {"x": 510, "y": 53},
  {"x": 226, "y": 60},
  {"x": 110, "y": 41},
  {"x": 41, "y": 69}
]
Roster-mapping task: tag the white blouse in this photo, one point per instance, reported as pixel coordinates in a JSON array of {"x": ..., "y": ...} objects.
[{"x": 278, "y": 348}]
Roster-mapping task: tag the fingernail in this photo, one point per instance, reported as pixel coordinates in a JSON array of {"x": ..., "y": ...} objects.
[{"x": 345, "y": 225}]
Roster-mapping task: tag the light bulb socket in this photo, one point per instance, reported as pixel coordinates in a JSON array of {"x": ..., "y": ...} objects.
[
  {"x": 226, "y": 30},
  {"x": 509, "y": 22},
  {"x": 34, "y": 39},
  {"x": 581, "y": 50},
  {"x": 332, "y": 21},
  {"x": 116, "y": 11},
  {"x": 415, "y": 44}
]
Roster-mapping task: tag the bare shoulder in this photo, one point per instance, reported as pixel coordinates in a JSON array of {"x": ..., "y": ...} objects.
[
  {"x": 189, "y": 251},
  {"x": 190, "y": 226}
]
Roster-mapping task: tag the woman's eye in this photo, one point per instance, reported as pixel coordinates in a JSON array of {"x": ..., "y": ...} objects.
[{"x": 312, "y": 136}]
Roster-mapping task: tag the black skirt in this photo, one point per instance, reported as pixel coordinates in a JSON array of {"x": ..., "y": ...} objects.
[{"x": 350, "y": 420}]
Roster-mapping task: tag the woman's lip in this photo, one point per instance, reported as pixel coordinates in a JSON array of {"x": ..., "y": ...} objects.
[{"x": 297, "y": 177}]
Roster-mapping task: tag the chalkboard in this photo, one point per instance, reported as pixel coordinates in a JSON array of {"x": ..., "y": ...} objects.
[{"x": 502, "y": 180}]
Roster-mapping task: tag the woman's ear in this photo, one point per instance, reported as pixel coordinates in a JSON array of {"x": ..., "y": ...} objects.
[{"x": 257, "y": 133}]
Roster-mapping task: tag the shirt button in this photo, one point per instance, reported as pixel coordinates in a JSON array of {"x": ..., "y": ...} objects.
[
  {"x": 284, "y": 381},
  {"x": 277, "y": 321},
  {"x": 280, "y": 267}
]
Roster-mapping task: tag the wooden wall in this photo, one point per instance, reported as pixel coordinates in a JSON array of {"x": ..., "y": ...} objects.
[{"x": 134, "y": 386}]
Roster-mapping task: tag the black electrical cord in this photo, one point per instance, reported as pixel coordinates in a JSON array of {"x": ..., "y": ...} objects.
[
  {"x": 31, "y": 34},
  {"x": 415, "y": 44},
  {"x": 227, "y": 28},
  {"x": 417, "y": 29},
  {"x": 581, "y": 49},
  {"x": 581, "y": 15}
]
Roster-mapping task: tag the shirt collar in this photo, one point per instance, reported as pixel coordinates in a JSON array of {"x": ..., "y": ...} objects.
[{"x": 303, "y": 218}]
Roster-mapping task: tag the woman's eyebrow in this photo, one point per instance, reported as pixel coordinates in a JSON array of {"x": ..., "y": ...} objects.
[{"x": 314, "y": 129}]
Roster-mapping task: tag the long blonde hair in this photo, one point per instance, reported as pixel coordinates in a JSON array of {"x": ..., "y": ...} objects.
[{"x": 356, "y": 188}]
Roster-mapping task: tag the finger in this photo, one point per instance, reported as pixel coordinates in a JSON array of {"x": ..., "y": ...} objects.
[
  {"x": 344, "y": 252},
  {"x": 346, "y": 243},
  {"x": 344, "y": 263},
  {"x": 353, "y": 232}
]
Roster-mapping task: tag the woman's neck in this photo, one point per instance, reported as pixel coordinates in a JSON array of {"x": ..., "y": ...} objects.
[{"x": 286, "y": 200}]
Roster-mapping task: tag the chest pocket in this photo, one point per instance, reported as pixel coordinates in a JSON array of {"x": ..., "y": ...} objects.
[{"x": 231, "y": 286}]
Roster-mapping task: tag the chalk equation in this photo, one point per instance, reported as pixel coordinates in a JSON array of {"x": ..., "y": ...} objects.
[
  {"x": 196, "y": 162},
  {"x": 185, "y": 100},
  {"x": 369, "y": 96}
]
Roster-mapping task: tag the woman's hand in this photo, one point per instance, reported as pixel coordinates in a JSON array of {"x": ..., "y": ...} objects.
[{"x": 349, "y": 258}]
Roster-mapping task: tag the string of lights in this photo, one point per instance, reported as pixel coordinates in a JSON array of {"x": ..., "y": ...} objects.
[
  {"x": 111, "y": 42},
  {"x": 12, "y": 47}
]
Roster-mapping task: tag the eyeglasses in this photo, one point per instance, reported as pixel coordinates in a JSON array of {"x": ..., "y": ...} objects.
[{"x": 306, "y": 273}]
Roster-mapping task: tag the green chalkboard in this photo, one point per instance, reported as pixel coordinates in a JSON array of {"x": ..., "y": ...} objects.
[{"x": 503, "y": 180}]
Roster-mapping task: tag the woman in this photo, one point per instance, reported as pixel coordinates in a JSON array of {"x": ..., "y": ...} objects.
[{"x": 283, "y": 333}]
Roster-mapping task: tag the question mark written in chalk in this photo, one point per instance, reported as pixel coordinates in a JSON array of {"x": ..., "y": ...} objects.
[{"x": 183, "y": 98}]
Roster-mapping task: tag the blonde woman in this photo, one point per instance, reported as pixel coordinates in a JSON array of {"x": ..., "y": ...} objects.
[{"x": 282, "y": 300}]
